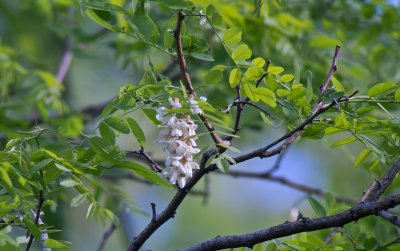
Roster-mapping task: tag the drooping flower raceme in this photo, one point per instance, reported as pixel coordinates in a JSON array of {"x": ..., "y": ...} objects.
[{"x": 177, "y": 136}]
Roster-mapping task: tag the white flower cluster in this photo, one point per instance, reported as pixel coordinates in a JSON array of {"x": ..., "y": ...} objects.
[{"x": 177, "y": 137}]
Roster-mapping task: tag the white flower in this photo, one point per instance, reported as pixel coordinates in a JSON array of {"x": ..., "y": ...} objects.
[
  {"x": 203, "y": 19},
  {"x": 194, "y": 107},
  {"x": 175, "y": 102},
  {"x": 160, "y": 113},
  {"x": 177, "y": 136}
]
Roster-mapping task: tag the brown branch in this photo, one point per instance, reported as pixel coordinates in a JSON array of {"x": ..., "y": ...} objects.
[
  {"x": 186, "y": 77},
  {"x": 107, "y": 234},
  {"x": 378, "y": 187},
  {"x": 332, "y": 70},
  {"x": 37, "y": 216},
  {"x": 361, "y": 210},
  {"x": 284, "y": 181},
  {"x": 153, "y": 164},
  {"x": 239, "y": 110}
]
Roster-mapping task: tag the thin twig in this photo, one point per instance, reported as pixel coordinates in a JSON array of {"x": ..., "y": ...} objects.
[
  {"x": 241, "y": 103},
  {"x": 394, "y": 219},
  {"x": 332, "y": 70},
  {"x": 278, "y": 161},
  {"x": 284, "y": 181},
  {"x": 39, "y": 209},
  {"x": 153, "y": 164},
  {"x": 154, "y": 213},
  {"x": 106, "y": 236}
]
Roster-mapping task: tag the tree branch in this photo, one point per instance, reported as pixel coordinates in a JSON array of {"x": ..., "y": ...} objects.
[
  {"x": 153, "y": 164},
  {"x": 300, "y": 187},
  {"x": 361, "y": 210},
  {"x": 107, "y": 234},
  {"x": 332, "y": 70},
  {"x": 186, "y": 77}
]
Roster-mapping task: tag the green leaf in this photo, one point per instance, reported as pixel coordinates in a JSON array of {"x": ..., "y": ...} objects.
[
  {"x": 139, "y": 8},
  {"x": 314, "y": 131},
  {"x": 381, "y": 89},
  {"x": 68, "y": 183},
  {"x": 330, "y": 203},
  {"x": 144, "y": 172},
  {"x": 168, "y": 40},
  {"x": 106, "y": 7},
  {"x": 271, "y": 247},
  {"x": 222, "y": 164},
  {"x": 151, "y": 115},
  {"x": 297, "y": 92},
  {"x": 90, "y": 210},
  {"x": 316, "y": 206},
  {"x": 249, "y": 92},
  {"x": 336, "y": 83},
  {"x": 145, "y": 27},
  {"x": 99, "y": 17},
  {"x": 219, "y": 68},
  {"x": 361, "y": 157},
  {"x": 71, "y": 127},
  {"x": 39, "y": 165},
  {"x": 51, "y": 243},
  {"x": 33, "y": 228},
  {"x": 343, "y": 142},
  {"x": 107, "y": 133},
  {"x": 310, "y": 92},
  {"x": 275, "y": 70},
  {"x": 253, "y": 73},
  {"x": 202, "y": 56},
  {"x": 265, "y": 95},
  {"x": 103, "y": 148},
  {"x": 213, "y": 77},
  {"x": 341, "y": 121},
  {"x": 235, "y": 77},
  {"x": 232, "y": 35},
  {"x": 287, "y": 78},
  {"x": 210, "y": 10},
  {"x": 137, "y": 131},
  {"x": 62, "y": 168},
  {"x": 397, "y": 95},
  {"x": 259, "y": 62},
  {"x": 228, "y": 158},
  {"x": 118, "y": 123},
  {"x": 242, "y": 52},
  {"x": 77, "y": 200},
  {"x": 5, "y": 177},
  {"x": 324, "y": 41},
  {"x": 50, "y": 80}
]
